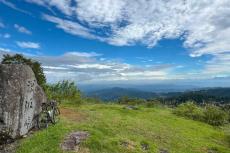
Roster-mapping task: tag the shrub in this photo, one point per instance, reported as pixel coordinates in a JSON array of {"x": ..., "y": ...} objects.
[
  {"x": 211, "y": 114},
  {"x": 93, "y": 100},
  {"x": 64, "y": 91},
  {"x": 131, "y": 101},
  {"x": 153, "y": 103},
  {"x": 228, "y": 112},
  {"x": 189, "y": 110},
  {"x": 214, "y": 115}
]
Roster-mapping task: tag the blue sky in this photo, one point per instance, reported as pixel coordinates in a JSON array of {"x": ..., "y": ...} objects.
[{"x": 92, "y": 41}]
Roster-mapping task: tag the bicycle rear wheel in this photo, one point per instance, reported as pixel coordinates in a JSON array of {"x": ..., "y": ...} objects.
[
  {"x": 55, "y": 117},
  {"x": 43, "y": 120}
]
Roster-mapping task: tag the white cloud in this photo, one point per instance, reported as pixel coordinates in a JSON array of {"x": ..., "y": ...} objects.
[
  {"x": 22, "y": 29},
  {"x": 63, "y": 5},
  {"x": 218, "y": 66},
  {"x": 54, "y": 68},
  {"x": 32, "y": 45},
  {"x": 5, "y": 50},
  {"x": 90, "y": 66},
  {"x": 136, "y": 21},
  {"x": 203, "y": 25},
  {"x": 69, "y": 26},
  {"x": 98, "y": 11},
  {"x": 69, "y": 58},
  {"x": 11, "y": 52},
  {"x": 2, "y": 25},
  {"x": 11, "y": 5},
  {"x": 6, "y": 35},
  {"x": 83, "y": 54},
  {"x": 84, "y": 68}
]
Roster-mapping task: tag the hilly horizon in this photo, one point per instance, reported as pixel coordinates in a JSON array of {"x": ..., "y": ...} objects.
[{"x": 115, "y": 93}]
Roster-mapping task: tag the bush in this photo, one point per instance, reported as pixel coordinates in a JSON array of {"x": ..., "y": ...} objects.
[
  {"x": 131, "y": 101},
  {"x": 211, "y": 114},
  {"x": 214, "y": 115},
  {"x": 189, "y": 110},
  {"x": 64, "y": 91},
  {"x": 228, "y": 112},
  {"x": 93, "y": 100},
  {"x": 153, "y": 103}
]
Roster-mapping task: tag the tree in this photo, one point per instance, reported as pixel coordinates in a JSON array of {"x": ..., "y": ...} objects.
[
  {"x": 62, "y": 91},
  {"x": 35, "y": 66}
]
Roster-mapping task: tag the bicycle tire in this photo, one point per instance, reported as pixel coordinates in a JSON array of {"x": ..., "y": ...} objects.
[{"x": 43, "y": 120}]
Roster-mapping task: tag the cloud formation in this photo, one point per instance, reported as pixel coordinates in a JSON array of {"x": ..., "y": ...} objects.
[
  {"x": 69, "y": 26},
  {"x": 28, "y": 44},
  {"x": 218, "y": 66},
  {"x": 203, "y": 26},
  {"x": 2, "y": 25},
  {"x": 11, "y": 5},
  {"x": 82, "y": 67},
  {"x": 6, "y": 35},
  {"x": 22, "y": 29}
]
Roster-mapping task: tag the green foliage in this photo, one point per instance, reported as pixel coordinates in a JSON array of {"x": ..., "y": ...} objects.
[
  {"x": 226, "y": 108},
  {"x": 228, "y": 112},
  {"x": 214, "y": 115},
  {"x": 93, "y": 100},
  {"x": 213, "y": 95},
  {"x": 211, "y": 114},
  {"x": 35, "y": 66},
  {"x": 130, "y": 101},
  {"x": 189, "y": 110},
  {"x": 153, "y": 103},
  {"x": 64, "y": 91}
]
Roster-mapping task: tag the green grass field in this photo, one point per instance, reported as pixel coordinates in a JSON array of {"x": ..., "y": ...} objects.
[{"x": 112, "y": 126}]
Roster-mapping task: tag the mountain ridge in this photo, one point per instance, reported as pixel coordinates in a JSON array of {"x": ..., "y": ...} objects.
[{"x": 217, "y": 93}]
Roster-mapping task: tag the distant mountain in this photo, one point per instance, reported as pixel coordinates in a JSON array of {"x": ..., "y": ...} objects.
[
  {"x": 117, "y": 92},
  {"x": 219, "y": 92},
  {"x": 208, "y": 95},
  {"x": 220, "y": 95},
  {"x": 157, "y": 88}
]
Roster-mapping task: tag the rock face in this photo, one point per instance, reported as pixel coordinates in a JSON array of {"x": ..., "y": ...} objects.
[{"x": 20, "y": 99}]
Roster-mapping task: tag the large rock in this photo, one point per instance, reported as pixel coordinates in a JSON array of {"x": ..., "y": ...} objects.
[{"x": 20, "y": 99}]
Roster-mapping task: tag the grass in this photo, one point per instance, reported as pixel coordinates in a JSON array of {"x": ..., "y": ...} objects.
[{"x": 116, "y": 130}]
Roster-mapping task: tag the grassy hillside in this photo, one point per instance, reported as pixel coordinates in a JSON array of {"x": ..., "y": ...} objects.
[{"x": 114, "y": 129}]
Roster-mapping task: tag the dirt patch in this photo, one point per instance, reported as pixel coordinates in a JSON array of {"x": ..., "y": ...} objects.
[
  {"x": 144, "y": 146},
  {"x": 73, "y": 140},
  {"x": 130, "y": 145},
  {"x": 73, "y": 115},
  {"x": 163, "y": 151}
]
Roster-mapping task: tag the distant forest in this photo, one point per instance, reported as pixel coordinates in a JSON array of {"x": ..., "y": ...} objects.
[
  {"x": 212, "y": 95},
  {"x": 208, "y": 95}
]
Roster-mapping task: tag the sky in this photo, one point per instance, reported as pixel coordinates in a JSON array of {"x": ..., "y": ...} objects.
[{"x": 101, "y": 41}]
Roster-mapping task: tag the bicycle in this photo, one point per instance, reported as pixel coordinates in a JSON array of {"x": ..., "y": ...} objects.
[{"x": 49, "y": 114}]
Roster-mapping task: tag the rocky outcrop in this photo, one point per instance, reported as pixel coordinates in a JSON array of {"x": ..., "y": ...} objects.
[{"x": 20, "y": 99}]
